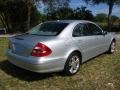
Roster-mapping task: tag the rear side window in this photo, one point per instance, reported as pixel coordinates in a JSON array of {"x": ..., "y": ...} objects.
[
  {"x": 81, "y": 30},
  {"x": 48, "y": 29}
]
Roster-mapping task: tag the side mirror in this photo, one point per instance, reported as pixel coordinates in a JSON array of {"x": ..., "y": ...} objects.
[{"x": 104, "y": 32}]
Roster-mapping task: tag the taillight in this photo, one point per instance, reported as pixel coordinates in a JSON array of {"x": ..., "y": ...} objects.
[{"x": 41, "y": 50}]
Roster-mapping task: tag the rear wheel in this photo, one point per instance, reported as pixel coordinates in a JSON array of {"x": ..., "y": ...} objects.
[
  {"x": 73, "y": 64},
  {"x": 112, "y": 47}
]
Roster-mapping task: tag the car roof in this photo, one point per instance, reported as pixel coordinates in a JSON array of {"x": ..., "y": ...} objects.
[{"x": 71, "y": 21}]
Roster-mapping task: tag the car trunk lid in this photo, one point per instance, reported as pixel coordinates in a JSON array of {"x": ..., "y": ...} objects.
[{"x": 24, "y": 44}]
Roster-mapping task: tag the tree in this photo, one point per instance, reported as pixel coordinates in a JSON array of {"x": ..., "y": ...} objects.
[
  {"x": 36, "y": 17},
  {"x": 110, "y": 3},
  {"x": 101, "y": 17},
  {"x": 14, "y": 15},
  {"x": 69, "y": 13},
  {"x": 30, "y": 4},
  {"x": 56, "y": 6},
  {"x": 83, "y": 14},
  {"x": 114, "y": 19},
  {"x": 60, "y": 13},
  {"x": 4, "y": 14}
]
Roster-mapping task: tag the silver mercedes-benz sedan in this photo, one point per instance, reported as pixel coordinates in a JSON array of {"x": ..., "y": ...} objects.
[{"x": 60, "y": 45}]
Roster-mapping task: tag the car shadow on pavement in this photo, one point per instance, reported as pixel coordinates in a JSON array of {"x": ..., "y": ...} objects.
[{"x": 22, "y": 74}]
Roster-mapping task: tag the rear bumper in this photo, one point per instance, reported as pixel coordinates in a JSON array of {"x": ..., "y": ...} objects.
[{"x": 36, "y": 64}]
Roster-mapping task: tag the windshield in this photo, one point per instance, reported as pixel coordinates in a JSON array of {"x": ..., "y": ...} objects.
[{"x": 48, "y": 29}]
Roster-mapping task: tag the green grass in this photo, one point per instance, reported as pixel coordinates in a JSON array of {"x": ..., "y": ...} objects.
[
  {"x": 3, "y": 46},
  {"x": 100, "y": 73}
]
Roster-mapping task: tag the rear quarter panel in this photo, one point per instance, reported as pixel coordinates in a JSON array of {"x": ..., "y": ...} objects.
[{"x": 61, "y": 48}]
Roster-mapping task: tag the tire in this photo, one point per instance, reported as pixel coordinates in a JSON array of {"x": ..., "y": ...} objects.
[
  {"x": 112, "y": 47},
  {"x": 72, "y": 64}
]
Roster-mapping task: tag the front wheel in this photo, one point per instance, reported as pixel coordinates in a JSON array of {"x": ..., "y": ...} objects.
[
  {"x": 112, "y": 47},
  {"x": 73, "y": 64}
]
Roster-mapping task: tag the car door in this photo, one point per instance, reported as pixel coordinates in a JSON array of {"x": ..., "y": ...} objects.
[
  {"x": 101, "y": 43},
  {"x": 85, "y": 40}
]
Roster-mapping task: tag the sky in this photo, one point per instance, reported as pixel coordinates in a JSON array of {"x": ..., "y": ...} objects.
[{"x": 100, "y": 8}]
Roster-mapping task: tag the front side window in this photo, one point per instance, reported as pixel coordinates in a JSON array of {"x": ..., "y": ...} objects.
[
  {"x": 95, "y": 30},
  {"x": 48, "y": 29}
]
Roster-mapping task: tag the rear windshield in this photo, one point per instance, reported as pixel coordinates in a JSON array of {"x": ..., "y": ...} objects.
[{"x": 48, "y": 29}]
